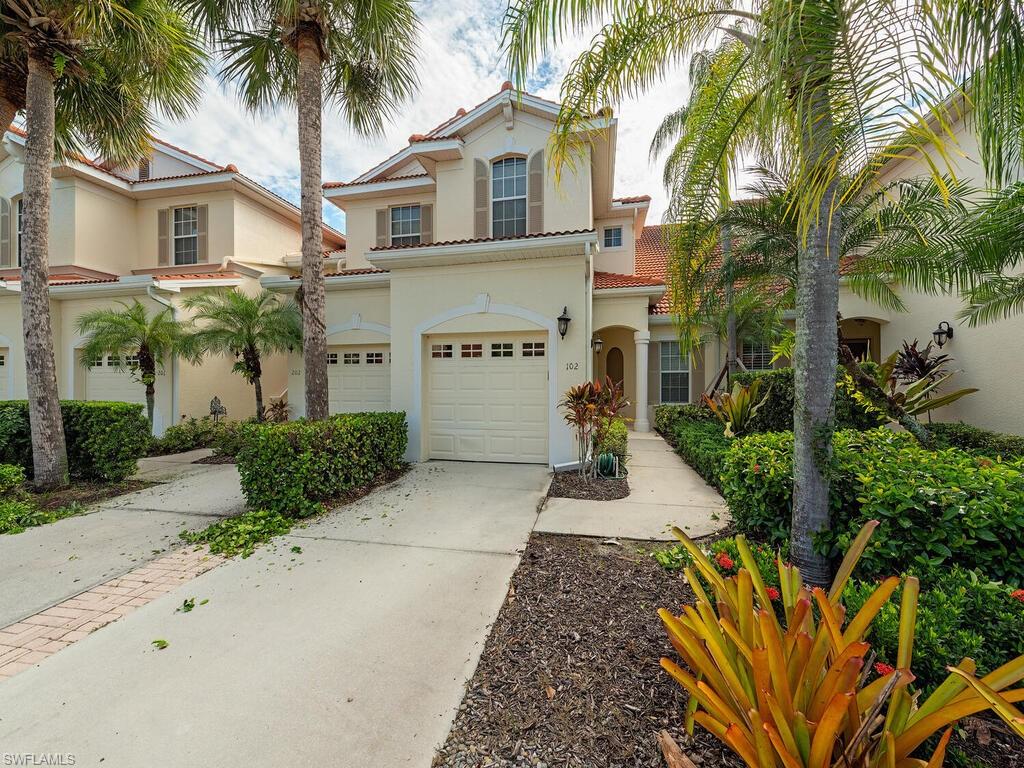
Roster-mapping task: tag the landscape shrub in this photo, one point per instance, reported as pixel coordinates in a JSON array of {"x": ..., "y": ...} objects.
[
  {"x": 935, "y": 507},
  {"x": 725, "y": 555},
  {"x": 776, "y": 413},
  {"x": 187, "y": 435},
  {"x": 104, "y": 439},
  {"x": 977, "y": 440},
  {"x": 11, "y": 478},
  {"x": 293, "y": 468},
  {"x": 960, "y": 615},
  {"x": 666, "y": 416},
  {"x": 702, "y": 445},
  {"x": 615, "y": 439}
]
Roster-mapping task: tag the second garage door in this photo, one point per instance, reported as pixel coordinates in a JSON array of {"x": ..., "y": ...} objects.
[
  {"x": 487, "y": 398},
  {"x": 359, "y": 378},
  {"x": 111, "y": 378}
]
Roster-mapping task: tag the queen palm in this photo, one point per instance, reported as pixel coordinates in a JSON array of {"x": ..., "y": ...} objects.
[
  {"x": 359, "y": 55},
  {"x": 837, "y": 86},
  {"x": 107, "y": 63},
  {"x": 247, "y": 328},
  {"x": 141, "y": 341}
]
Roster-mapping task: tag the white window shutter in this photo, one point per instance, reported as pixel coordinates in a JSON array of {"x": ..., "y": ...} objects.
[
  {"x": 382, "y": 227},
  {"x": 5, "y": 232},
  {"x": 426, "y": 223},
  {"x": 481, "y": 199},
  {"x": 163, "y": 237},
  {"x": 203, "y": 226},
  {"x": 535, "y": 194}
]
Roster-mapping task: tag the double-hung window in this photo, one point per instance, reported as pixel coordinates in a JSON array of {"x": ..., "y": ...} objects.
[
  {"x": 186, "y": 235},
  {"x": 756, "y": 356},
  {"x": 405, "y": 225},
  {"x": 508, "y": 197},
  {"x": 675, "y": 373}
]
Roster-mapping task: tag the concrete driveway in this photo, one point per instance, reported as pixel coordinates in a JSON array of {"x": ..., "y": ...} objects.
[
  {"x": 48, "y": 564},
  {"x": 353, "y": 652}
]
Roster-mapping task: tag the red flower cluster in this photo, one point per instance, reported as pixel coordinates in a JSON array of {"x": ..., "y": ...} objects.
[
  {"x": 757, "y": 469},
  {"x": 883, "y": 669},
  {"x": 724, "y": 561},
  {"x": 1018, "y": 594},
  {"x": 773, "y": 593}
]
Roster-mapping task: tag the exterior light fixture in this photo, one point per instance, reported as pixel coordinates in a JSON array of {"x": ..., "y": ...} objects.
[
  {"x": 563, "y": 322},
  {"x": 942, "y": 334},
  {"x": 597, "y": 344}
]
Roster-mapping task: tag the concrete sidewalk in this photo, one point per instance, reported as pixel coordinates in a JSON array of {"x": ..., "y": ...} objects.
[
  {"x": 352, "y": 652},
  {"x": 50, "y": 563},
  {"x": 664, "y": 491}
]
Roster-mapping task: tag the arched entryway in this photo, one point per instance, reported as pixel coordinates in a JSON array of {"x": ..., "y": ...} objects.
[
  {"x": 864, "y": 338},
  {"x": 615, "y": 365}
]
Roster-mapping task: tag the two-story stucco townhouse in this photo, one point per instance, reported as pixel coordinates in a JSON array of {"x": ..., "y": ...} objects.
[
  {"x": 987, "y": 356},
  {"x": 475, "y": 289},
  {"x": 173, "y": 226}
]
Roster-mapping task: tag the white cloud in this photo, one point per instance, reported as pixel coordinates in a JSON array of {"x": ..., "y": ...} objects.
[{"x": 461, "y": 64}]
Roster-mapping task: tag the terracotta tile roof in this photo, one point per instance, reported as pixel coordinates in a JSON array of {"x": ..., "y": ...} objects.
[
  {"x": 374, "y": 180},
  {"x": 179, "y": 176},
  {"x": 70, "y": 279},
  {"x": 652, "y": 262},
  {"x": 606, "y": 280},
  {"x": 634, "y": 199},
  {"x": 199, "y": 276},
  {"x": 350, "y": 273},
  {"x": 482, "y": 240}
]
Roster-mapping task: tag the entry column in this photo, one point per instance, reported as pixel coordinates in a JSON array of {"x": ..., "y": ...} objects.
[{"x": 643, "y": 340}]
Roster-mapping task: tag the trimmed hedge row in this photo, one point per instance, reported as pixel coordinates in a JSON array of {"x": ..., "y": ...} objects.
[
  {"x": 104, "y": 440},
  {"x": 667, "y": 416},
  {"x": 294, "y": 467},
  {"x": 977, "y": 440},
  {"x": 776, "y": 414},
  {"x": 936, "y": 508}
]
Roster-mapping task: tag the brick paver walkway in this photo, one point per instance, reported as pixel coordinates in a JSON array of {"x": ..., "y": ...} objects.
[{"x": 33, "y": 639}]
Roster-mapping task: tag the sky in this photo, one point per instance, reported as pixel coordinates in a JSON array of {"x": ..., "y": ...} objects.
[{"x": 462, "y": 65}]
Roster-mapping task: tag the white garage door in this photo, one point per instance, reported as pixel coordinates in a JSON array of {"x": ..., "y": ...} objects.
[
  {"x": 487, "y": 398},
  {"x": 5, "y": 360},
  {"x": 359, "y": 378},
  {"x": 107, "y": 379}
]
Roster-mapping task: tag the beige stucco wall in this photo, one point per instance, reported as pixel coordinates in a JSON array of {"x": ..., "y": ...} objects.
[
  {"x": 220, "y": 236},
  {"x": 621, "y": 259},
  {"x": 262, "y": 236},
  {"x": 361, "y": 223},
  {"x": 105, "y": 232}
]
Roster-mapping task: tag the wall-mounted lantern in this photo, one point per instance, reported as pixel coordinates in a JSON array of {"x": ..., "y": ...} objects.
[
  {"x": 597, "y": 344},
  {"x": 563, "y": 322},
  {"x": 942, "y": 334}
]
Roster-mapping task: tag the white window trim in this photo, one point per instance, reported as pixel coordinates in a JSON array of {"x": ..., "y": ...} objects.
[
  {"x": 765, "y": 354},
  {"x": 175, "y": 237},
  {"x": 418, "y": 234},
  {"x": 524, "y": 197},
  {"x": 685, "y": 360},
  {"x": 19, "y": 215},
  {"x": 604, "y": 237}
]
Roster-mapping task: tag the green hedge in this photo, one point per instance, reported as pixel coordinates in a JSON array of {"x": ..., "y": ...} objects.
[
  {"x": 936, "y": 508},
  {"x": 666, "y": 416},
  {"x": 776, "y": 415},
  {"x": 293, "y": 468},
  {"x": 104, "y": 440},
  {"x": 223, "y": 436},
  {"x": 977, "y": 440}
]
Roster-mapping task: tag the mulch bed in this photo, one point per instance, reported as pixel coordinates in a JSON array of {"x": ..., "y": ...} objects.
[
  {"x": 987, "y": 742},
  {"x": 215, "y": 459},
  {"x": 85, "y": 493},
  {"x": 570, "y": 485},
  {"x": 569, "y": 675}
]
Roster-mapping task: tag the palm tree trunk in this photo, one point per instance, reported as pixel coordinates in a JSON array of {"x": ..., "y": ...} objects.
[
  {"x": 258, "y": 386},
  {"x": 150, "y": 404},
  {"x": 730, "y": 319},
  {"x": 314, "y": 303},
  {"x": 815, "y": 355},
  {"x": 49, "y": 453}
]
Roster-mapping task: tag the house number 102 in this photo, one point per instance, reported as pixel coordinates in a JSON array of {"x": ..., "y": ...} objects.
[{"x": 572, "y": 366}]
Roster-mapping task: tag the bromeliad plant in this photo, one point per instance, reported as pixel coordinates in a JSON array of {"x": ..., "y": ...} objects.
[
  {"x": 799, "y": 693},
  {"x": 736, "y": 409}
]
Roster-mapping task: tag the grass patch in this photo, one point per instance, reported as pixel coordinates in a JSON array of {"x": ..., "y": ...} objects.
[{"x": 241, "y": 535}]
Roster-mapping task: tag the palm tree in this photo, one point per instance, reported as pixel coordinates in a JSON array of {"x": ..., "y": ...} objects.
[
  {"x": 107, "y": 63},
  {"x": 358, "y": 54},
  {"x": 131, "y": 333},
  {"x": 246, "y": 327},
  {"x": 837, "y": 86}
]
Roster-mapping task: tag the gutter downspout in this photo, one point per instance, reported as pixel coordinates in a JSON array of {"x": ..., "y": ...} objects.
[
  {"x": 589, "y": 321},
  {"x": 151, "y": 292}
]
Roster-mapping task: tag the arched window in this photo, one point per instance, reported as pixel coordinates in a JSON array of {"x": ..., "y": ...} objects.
[{"x": 508, "y": 197}]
